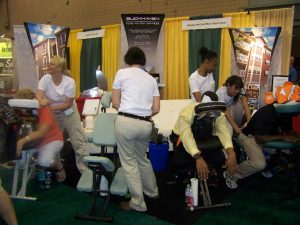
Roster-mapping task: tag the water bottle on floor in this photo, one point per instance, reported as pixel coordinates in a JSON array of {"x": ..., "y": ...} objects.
[{"x": 47, "y": 179}]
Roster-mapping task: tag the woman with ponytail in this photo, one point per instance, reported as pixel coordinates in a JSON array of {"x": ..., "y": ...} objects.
[{"x": 202, "y": 79}]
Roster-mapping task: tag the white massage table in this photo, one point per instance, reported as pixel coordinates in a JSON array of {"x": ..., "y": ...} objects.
[{"x": 165, "y": 120}]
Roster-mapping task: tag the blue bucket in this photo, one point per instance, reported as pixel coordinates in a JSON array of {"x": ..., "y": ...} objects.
[{"x": 158, "y": 154}]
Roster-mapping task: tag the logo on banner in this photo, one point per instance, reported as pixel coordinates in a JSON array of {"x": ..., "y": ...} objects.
[{"x": 143, "y": 30}]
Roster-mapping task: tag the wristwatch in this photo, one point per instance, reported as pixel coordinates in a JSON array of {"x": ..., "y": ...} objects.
[{"x": 197, "y": 156}]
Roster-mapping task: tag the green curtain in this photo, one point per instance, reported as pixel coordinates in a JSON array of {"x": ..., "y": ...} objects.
[
  {"x": 209, "y": 38},
  {"x": 90, "y": 59}
]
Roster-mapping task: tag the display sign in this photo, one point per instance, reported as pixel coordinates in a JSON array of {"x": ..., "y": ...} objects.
[
  {"x": 206, "y": 23},
  {"x": 6, "y": 66},
  {"x": 277, "y": 81},
  {"x": 91, "y": 34},
  {"x": 253, "y": 49},
  {"x": 143, "y": 31},
  {"x": 46, "y": 41},
  {"x": 6, "y": 49},
  {"x": 6, "y": 60}
]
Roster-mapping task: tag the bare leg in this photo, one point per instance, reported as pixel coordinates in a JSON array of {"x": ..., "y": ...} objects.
[
  {"x": 6, "y": 209},
  {"x": 61, "y": 175}
]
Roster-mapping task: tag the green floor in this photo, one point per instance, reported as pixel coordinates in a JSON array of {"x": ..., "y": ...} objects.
[{"x": 257, "y": 201}]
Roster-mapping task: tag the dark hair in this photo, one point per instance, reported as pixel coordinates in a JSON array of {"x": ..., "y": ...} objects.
[
  {"x": 212, "y": 95},
  {"x": 207, "y": 54},
  {"x": 235, "y": 80},
  {"x": 135, "y": 55}
]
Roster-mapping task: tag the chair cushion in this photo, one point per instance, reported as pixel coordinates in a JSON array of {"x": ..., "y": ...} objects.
[
  {"x": 279, "y": 145},
  {"x": 105, "y": 162},
  {"x": 85, "y": 182},
  {"x": 119, "y": 184},
  {"x": 290, "y": 107},
  {"x": 104, "y": 130}
]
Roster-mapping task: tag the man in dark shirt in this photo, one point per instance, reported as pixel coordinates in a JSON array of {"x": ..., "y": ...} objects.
[{"x": 260, "y": 129}]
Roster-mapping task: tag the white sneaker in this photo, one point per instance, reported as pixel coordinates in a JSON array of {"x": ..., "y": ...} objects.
[
  {"x": 231, "y": 181},
  {"x": 267, "y": 173}
]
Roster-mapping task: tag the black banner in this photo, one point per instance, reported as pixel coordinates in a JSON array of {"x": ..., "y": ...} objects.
[{"x": 142, "y": 30}]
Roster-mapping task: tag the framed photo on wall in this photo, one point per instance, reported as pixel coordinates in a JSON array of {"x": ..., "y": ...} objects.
[{"x": 278, "y": 80}]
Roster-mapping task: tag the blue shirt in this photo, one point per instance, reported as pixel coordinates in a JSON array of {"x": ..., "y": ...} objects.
[{"x": 293, "y": 75}]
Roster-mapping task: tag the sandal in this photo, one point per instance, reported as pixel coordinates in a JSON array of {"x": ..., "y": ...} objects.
[{"x": 61, "y": 175}]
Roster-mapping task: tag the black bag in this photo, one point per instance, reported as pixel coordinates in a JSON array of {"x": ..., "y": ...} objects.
[{"x": 202, "y": 127}]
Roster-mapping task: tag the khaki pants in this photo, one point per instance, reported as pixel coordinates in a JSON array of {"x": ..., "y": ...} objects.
[
  {"x": 256, "y": 160},
  {"x": 132, "y": 137},
  {"x": 72, "y": 125}
]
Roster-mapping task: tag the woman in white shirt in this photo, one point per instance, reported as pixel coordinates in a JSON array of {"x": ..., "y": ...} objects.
[
  {"x": 202, "y": 79},
  {"x": 57, "y": 90},
  {"x": 136, "y": 97},
  {"x": 231, "y": 92}
]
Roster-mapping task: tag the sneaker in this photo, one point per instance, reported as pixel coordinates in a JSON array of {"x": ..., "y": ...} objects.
[
  {"x": 267, "y": 173},
  {"x": 231, "y": 181}
]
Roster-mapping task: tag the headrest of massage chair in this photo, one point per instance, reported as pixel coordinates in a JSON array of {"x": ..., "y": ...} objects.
[
  {"x": 24, "y": 103},
  {"x": 210, "y": 106},
  {"x": 106, "y": 100}
]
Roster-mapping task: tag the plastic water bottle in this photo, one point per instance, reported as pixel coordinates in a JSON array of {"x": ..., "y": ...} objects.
[
  {"x": 186, "y": 193},
  {"x": 47, "y": 179},
  {"x": 188, "y": 196},
  {"x": 103, "y": 185}
]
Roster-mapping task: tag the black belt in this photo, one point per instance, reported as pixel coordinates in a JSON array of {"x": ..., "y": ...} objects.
[{"x": 146, "y": 118}]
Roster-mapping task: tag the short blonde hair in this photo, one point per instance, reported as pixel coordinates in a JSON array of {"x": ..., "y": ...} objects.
[
  {"x": 62, "y": 63},
  {"x": 25, "y": 93}
]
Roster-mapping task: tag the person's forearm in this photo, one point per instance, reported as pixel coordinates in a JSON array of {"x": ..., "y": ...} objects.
[
  {"x": 197, "y": 96},
  {"x": 231, "y": 120},
  {"x": 246, "y": 108},
  {"x": 60, "y": 107}
]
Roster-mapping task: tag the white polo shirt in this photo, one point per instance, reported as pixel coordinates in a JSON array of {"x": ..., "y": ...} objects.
[
  {"x": 137, "y": 91},
  {"x": 201, "y": 84},
  {"x": 57, "y": 93}
]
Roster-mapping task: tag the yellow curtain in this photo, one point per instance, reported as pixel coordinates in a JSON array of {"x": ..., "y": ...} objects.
[
  {"x": 111, "y": 52},
  {"x": 75, "y": 49},
  {"x": 176, "y": 66},
  {"x": 279, "y": 18},
  {"x": 242, "y": 19},
  {"x": 266, "y": 18}
]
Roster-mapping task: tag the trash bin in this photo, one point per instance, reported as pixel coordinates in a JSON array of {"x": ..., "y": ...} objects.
[{"x": 158, "y": 154}]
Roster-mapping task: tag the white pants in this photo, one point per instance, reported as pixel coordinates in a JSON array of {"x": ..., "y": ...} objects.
[
  {"x": 132, "y": 136},
  {"x": 49, "y": 153}
]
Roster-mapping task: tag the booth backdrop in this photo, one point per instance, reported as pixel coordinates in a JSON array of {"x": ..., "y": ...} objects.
[{"x": 179, "y": 59}]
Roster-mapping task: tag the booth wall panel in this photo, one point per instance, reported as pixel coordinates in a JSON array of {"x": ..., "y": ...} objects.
[{"x": 94, "y": 13}]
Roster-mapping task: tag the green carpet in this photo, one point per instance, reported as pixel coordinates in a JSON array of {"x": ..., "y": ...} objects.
[
  {"x": 258, "y": 201},
  {"x": 59, "y": 205}
]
